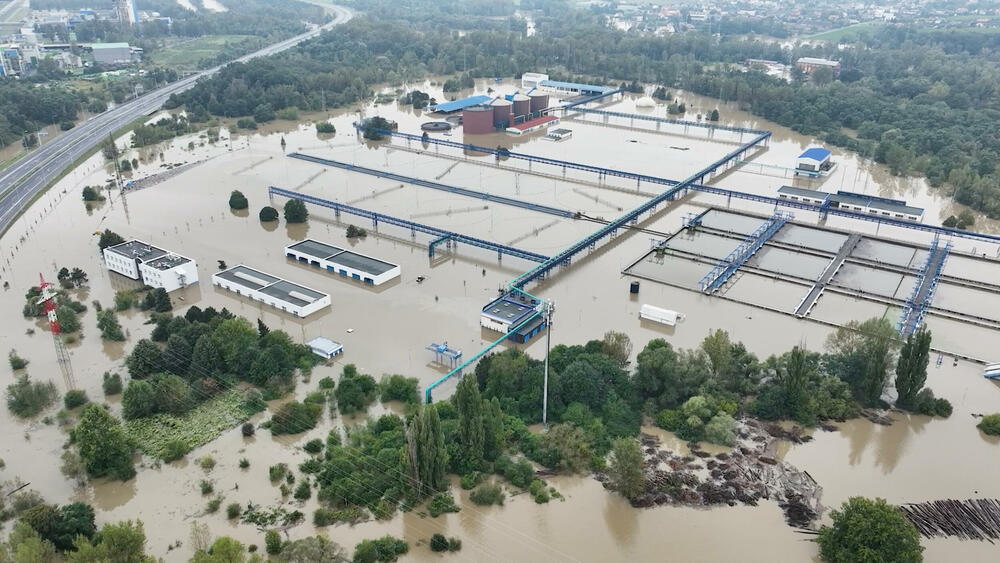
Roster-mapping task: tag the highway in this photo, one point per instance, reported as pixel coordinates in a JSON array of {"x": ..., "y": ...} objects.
[{"x": 32, "y": 174}]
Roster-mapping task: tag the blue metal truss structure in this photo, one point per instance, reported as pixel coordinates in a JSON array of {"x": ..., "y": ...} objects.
[
  {"x": 594, "y": 98},
  {"x": 414, "y": 227},
  {"x": 666, "y": 120},
  {"x": 724, "y": 270},
  {"x": 920, "y": 298},
  {"x": 436, "y": 185}
]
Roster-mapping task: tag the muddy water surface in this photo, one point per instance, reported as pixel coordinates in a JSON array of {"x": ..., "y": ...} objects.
[{"x": 914, "y": 460}]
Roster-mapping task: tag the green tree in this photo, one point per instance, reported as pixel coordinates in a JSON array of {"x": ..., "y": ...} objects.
[
  {"x": 313, "y": 549},
  {"x": 124, "y": 542},
  {"x": 618, "y": 346},
  {"x": 103, "y": 445},
  {"x": 860, "y": 354},
  {"x": 173, "y": 394},
  {"x": 494, "y": 433},
  {"x": 990, "y": 424},
  {"x": 145, "y": 359},
  {"x": 793, "y": 377},
  {"x": 68, "y": 321},
  {"x": 206, "y": 359},
  {"x": 27, "y": 546},
  {"x": 386, "y": 548},
  {"x": 233, "y": 336},
  {"x": 268, "y": 214},
  {"x": 223, "y": 550},
  {"x": 625, "y": 471},
  {"x": 869, "y": 530},
  {"x": 426, "y": 454},
  {"x": 911, "y": 367},
  {"x": 272, "y": 542},
  {"x": 472, "y": 437},
  {"x": 109, "y": 238},
  {"x": 177, "y": 355},
  {"x": 138, "y": 400},
  {"x": 27, "y": 398},
  {"x": 238, "y": 201},
  {"x": 107, "y": 323},
  {"x": 295, "y": 211}
]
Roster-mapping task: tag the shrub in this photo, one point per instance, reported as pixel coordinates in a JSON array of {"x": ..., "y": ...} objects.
[
  {"x": 16, "y": 362},
  {"x": 303, "y": 491},
  {"x": 313, "y": 446},
  {"x": 399, "y": 388},
  {"x": 520, "y": 473},
  {"x": 327, "y": 383},
  {"x": 90, "y": 193},
  {"x": 74, "y": 398},
  {"x": 386, "y": 548},
  {"x": 244, "y": 463},
  {"x": 206, "y": 463},
  {"x": 246, "y": 123},
  {"x": 27, "y": 398},
  {"x": 277, "y": 472},
  {"x": 990, "y": 424},
  {"x": 311, "y": 465},
  {"x": 470, "y": 480},
  {"x": 213, "y": 505},
  {"x": 539, "y": 491},
  {"x": 487, "y": 494},
  {"x": 325, "y": 127},
  {"x": 248, "y": 429},
  {"x": 442, "y": 503},
  {"x": 174, "y": 449},
  {"x": 233, "y": 510},
  {"x": 356, "y": 390},
  {"x": 356, "y": 232},
  {"x": 268, "y": 214},
  {"x": 272, "y": 542},
  {"x": 294, "y": 417},
  {"x": 112, "y": 384},
  {"x": 454, "y": 544},
  {"x": 439, "y": 543},
  {"x": 326, "y": 516},
  {"x": 926, "y": 403},
  {"x": 206, "y": 487},
  {"x": 238, "y": 201}
]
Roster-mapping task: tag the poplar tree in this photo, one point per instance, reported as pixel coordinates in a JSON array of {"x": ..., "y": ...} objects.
[
  {"x": 911, "y": 369},
  {"x": 472, "y": 437},
  {"x": 427, "y": 457}
]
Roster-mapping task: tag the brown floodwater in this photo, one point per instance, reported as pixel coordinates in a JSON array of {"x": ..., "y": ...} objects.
[{"x": 385, "y": 329}]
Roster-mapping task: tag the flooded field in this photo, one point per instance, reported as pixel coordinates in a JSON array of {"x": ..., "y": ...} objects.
[{"x": 385, "y": 329}]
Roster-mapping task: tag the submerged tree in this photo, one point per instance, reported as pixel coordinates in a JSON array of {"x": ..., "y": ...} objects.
[
  {"x": 296, "y": 212},
  {"x": 472, "y": 438},
  {"x": 103, "y": 445},
  {"x": 426, "y": 454},
  {"x": 238, "y": 201},
  {"x": 911, "y": 368},
  {"x": 625, "y": 470},
  {"x": 869, "y": 530}
]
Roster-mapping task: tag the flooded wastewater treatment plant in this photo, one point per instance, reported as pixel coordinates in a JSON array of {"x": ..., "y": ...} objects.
[{"x": 516, "y": 213}]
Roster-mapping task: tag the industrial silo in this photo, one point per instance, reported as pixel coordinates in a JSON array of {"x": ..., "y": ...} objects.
[
  {"x": 477, "y": 120},
  {"x": 539, "y": 101},
  {"x": 522, "y": 105},
  {"x": 502, "y": 112}
]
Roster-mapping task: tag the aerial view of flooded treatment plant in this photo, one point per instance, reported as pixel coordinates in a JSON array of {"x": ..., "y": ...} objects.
[{"x": 523, "y": 214}]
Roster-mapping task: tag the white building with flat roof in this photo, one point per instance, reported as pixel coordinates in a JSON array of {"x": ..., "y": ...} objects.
[
  {"x": 349, "y": 264},
  {"x": 150, "y": 265},
  {"x": 293, "y": 298}
]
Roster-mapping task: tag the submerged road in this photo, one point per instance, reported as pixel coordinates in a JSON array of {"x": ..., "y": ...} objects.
[{"x": 29, "y": 176}]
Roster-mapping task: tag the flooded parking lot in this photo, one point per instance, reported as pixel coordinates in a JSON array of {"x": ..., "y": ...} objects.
[{"x": 385, "y": 329}]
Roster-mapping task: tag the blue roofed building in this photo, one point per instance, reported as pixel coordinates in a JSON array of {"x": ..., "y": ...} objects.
[
  {"x": 814, "y": 159},
  {"x": 450, "y": 107}
]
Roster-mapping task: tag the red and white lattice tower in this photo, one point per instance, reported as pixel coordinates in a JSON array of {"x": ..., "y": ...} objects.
[{"x": 48, "y": 299}]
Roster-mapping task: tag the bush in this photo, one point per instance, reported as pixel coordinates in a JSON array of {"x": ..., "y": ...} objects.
[
  {"x": 112, "y": 384},
  {"x": 399, "y": 388},
  {"x": 295, "y": 417},
  {"x": 277, "y": 472},
  {"x": 268, "y": 214},
  {"x": 438, "y": 543},
  {"x": 990, "y": 424},
  {"x": 326, "y": 516},
  {"x": 325, "y": 127},
  {"x": 238, "y": 201},
  {"x": 327, "y": 384},
  {"x": 213, "y": 505},
  {"x": 16, "y": 362},
  {"x": 669, "y": 419},
  {"x": 313, "y": 446},
  {"x": 206, "y": 463},
  {"x": 356, "y": 390},
  {"x": 303, "y": 491},
  {"x": 539, "y": 491},
  {"x": 311, "y": 465},
  {"x": 488, "y": 494},
  {"x": 470, "y": 480},
  {"x": 272, "y": 542},
  {"x": 233, "y": 510},
  {"x": 74, "y": 398},
  {"x": 244, "y": 463},
  {"x": 27, "y": 398},
  {"x": 206, "y": 487},
  {"x": 442, "y": 503},
  {"x": 174, "y": 450},
  {"x": 356, "y": 232},
  {"x": 246, "y": 123},
  {"x": 296, "y": 212},
  {"x": 68, "y": 321},
  {"x": 520, "y": 473},
  {"x": 926, "y": 403},
  {"x": 386, "y": 548},
  {"x": 248, "y": 429}
]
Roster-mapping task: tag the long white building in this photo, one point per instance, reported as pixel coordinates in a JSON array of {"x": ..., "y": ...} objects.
[
  {"x": 349, "y": 264},
  {"x": 293, "y": 298},
  {"x": 152, "y": 266}
]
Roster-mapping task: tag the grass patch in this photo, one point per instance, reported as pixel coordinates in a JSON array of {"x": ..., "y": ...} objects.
[
  {"x": 189, "y": 53},
  {"x": 197, "y": 427},
  {"x": 837, "y": 34}
]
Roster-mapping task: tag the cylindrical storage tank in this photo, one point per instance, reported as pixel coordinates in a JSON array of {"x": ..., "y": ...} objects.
[
  {"x": 522, "y": 105},
  {"x": 634, "y": 288},
  {"x": 502, "y": 112},
  {"x": 477, "y": 120},
  {"x": 539, "y": 101}
]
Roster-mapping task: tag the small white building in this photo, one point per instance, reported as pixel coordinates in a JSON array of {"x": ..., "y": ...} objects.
[
  {"x": 531, "y": 80},
  {"x": 662, "y": 316},
  {"x": 814, "y": 159},
  {"x": 293, "y": 298},
  {"x": 152, "y": 266},
  {"x": 349, "y": 264},
  {"x": 325, "y": 348}
]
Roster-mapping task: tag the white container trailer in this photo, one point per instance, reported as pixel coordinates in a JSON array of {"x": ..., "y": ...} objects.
[{"x": 656, "y": 314}]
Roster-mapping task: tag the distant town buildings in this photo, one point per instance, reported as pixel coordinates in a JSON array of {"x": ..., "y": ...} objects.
[{"x": 809, "y": 64}]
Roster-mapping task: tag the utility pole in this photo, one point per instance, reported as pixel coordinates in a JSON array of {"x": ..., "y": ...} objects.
[{"x": 550, "y": 308}]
